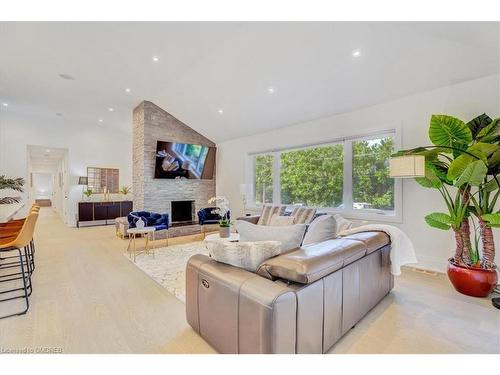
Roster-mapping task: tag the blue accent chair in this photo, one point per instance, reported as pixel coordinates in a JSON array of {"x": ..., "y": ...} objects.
[
  {"x": 151, "y": 219},
  {"x": 207, "y": 218}
]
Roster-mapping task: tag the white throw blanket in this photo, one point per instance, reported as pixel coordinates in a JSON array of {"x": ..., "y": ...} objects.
[{"x": 402, "y": 251}]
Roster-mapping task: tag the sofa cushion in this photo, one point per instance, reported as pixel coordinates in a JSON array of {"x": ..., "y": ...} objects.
[
  {"x": 246, "y": 255},
  {"x": 342, "y": 223},
  {"x": 277, "y": 220},
  {"x": 290, "y": 236},
  {"x": 303, "y": 215},
  {"x": 321, "y": 229},
  {"x": 268, "y": 211},
  {"x": 310, "y": 263}
]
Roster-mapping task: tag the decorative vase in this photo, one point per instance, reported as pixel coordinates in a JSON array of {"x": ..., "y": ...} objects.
[
  {"x": 475, "y": 282},
  {"x": 140, "y": 223},
  {"x": 224, "y": 232}
]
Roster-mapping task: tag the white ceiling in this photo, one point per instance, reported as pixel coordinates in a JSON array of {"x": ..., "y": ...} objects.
[
  {"x": 205, "y": 67},
  {"x": 45, "y": 158}
]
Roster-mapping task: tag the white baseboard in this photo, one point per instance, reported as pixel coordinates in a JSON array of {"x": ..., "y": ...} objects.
[{"x": 431, "y": 263}]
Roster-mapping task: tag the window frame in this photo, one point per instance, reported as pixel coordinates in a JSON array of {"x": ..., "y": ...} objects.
[{"x": 347, "y": 196}]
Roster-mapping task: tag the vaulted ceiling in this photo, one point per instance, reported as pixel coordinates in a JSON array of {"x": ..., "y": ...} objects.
[{"x": 231, "y": 79}]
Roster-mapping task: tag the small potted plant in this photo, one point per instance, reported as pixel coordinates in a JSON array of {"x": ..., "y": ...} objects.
[
  {"x": 87, "y": 193},
  {"x": 125, "y": 190},
  {"x": 222, "y": 204}
]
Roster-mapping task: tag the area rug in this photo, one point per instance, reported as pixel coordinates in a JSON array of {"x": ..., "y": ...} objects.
[{"x": 168, "y": 267}]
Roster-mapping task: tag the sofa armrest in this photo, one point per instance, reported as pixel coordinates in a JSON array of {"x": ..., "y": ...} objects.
[
  {"x": 251, "y": 219},
  {"x": 237, "y": 311}
]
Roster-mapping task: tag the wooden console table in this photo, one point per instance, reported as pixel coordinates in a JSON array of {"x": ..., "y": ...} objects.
[{"x": 102, "y": 211}]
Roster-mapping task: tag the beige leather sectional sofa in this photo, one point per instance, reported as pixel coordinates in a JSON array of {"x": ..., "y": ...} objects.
[{"x": 303, "y": 301}]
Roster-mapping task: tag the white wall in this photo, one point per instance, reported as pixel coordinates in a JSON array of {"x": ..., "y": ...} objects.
[
  {"x": 464, "y": 100},
  {"x": 87, "y": 146}
]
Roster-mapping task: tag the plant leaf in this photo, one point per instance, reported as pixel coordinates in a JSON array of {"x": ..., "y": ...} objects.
[
  {"x": 479, "y": 123},
  {"x": 489, "y": 130},
  {"x": 483, "y": 150},
  {"x": 448, "y": 131},
  {"x": 473, "y": 175},
  {"x": 431, "y": 179},
  {"x": 439, "y": 220},
  {"x": 458, "y": 166},
  {"x": 493, "y": 220}
]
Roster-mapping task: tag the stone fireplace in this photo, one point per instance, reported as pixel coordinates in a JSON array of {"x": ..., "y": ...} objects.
[{"x": 152, "y": 124}]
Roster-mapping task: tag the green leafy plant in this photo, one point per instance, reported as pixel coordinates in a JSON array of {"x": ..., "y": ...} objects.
[
  {"x": 463, "y": 164},
  {"x": 87, "y": 193},
  {"x": 16, "y": 184},
  {"x": 125, "y": 190},
  {"x": 12, "y": 183}
]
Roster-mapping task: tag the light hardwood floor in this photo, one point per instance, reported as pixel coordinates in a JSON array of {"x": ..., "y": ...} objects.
[{"x": 88, "y": 298}]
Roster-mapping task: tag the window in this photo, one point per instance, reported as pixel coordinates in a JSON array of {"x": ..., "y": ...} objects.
[
  {"x": 372, "y": 188},
  {"x": 263, "y": 179},
  {"x": 312, "y": 176},
  {"x": 349, "y": 176}
]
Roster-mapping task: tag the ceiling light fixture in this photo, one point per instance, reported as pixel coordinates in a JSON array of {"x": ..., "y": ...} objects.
[
  {"x": 111, "y": 109},
  {"x": 270, "y": 90},
  {"x": 220, "y": 111},
  {"x": 156, "y": 58},
  {"x": 127, "y": 90},
  {"x": 101, "y": 120},
  {"x": 356, "y": 53},
  {"x": 47, "y": 150},
  {"x": 5, "y": 104}
]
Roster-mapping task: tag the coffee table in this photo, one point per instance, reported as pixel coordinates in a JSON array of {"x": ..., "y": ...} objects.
[
  {"x": 133, "y": 233},
  {"x": 233, "y": 237}
]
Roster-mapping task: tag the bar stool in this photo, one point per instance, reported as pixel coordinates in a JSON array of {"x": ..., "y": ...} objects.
[
  {"x": 10, "y": 230},
  {"x": 20, "y": 245}
]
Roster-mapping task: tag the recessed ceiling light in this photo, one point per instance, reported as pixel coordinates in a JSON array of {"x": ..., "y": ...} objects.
[
  {"x": 67, "y": 76},
  {"x": 156, "y": 58},
  {"x": 127, "y": 90},
  {"x": 270, "y": 90},
  {"x": 356, "y": 53},
  {"x": 220, "y": 111},
  {"x": 111, "y": 109},
  {"x": 47, "y": 150},
  {"x": 100, "y": 120},
  {"x": 5, "y": 104}
]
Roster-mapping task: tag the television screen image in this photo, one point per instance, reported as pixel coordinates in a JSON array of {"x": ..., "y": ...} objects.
[{"x": 184, "y": 161}]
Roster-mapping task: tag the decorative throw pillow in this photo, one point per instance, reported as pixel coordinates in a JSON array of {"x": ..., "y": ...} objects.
[
  {"x": 277, "y": 220},
  {"x": 322, "y": 228},
  {"x": 342, "y": 223},
  {"x": 290, "y": 236},
  {"x": 246, "y": 255},
  {"x": 268, "y": 211},
  {"x": 303, "y": 215}
]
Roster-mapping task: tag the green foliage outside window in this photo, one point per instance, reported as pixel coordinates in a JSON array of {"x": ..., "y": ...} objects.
[
  {"x": 313, "y": 176},
  {"x": 263, "y": 179},
  {"x": 372, "y": 186}
]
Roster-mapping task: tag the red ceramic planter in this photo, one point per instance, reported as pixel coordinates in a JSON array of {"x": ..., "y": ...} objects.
[{"x": 475, "y": 282}]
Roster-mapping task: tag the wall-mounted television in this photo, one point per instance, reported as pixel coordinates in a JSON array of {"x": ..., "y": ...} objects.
[{"x": 176, "y": 160}]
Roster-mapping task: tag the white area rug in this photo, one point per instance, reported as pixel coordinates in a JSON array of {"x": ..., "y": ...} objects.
[{"x": 168, "y": 267}]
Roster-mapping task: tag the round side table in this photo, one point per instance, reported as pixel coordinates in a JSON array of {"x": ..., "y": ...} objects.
[{"x": 133, "y": 233}]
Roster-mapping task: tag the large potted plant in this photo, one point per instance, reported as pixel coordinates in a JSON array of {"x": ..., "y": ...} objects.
[{"x": 463, "y": 165}]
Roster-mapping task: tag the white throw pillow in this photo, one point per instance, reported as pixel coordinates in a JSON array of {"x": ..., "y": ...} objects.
[
  {"x": 321, "y": 229},
  {"x": 246, "y": 255},
  {"x": 290, "y": 236},
  {"x": 278, "y": 220},
  {"x": 342, "y": 223}
]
